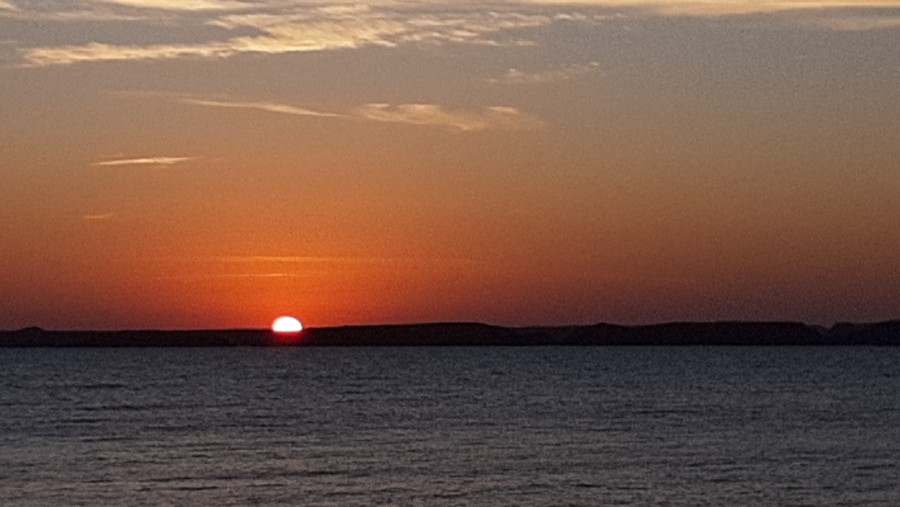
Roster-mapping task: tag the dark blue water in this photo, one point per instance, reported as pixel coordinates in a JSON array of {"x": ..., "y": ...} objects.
[{"x": 450, "y": 426}]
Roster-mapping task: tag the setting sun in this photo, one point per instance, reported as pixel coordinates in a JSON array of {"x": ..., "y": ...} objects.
[{"x": 287, "y": 324}]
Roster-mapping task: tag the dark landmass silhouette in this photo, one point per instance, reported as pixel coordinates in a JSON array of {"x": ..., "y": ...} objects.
[{"x": 474, "y": 334}]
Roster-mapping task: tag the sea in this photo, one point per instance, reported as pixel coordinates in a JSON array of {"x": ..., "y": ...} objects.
[{"x": 445, "y": 426}]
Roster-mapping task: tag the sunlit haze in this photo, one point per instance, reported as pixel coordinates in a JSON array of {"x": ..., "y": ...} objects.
[{"x": 211, "y": 163}]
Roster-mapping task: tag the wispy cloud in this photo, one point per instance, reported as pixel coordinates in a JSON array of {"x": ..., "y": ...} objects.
[
  {"x": 272, "y": 107},
  {"x": 98, "y": 217},
  {"x": 284, "y": 259},
  {"x": 496, "y": 117},
  {"x": 182, "y": 5},
  {"x": 276, "y": 259},
  {"x": 75, "y": 15},
  {"x": 290, "y": 28},
  {"x": 434, "y": 115},
  {"x": 722, "y": 7},
  {"x": 858, "y": 23},
  {"x": 97, "y": 52},
  {"x": 279, "y": 27},
  {"x": 516, "y": 76},
  {"x": 200, "y": 277},
  {"x": 303, "y": 266},
  {"x": 258, "y": 275},
  {"x": 147, "y": 161},
  {"x": 280, "y": 266}
]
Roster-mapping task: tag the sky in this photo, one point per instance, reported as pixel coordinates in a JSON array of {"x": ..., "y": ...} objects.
[{"x": 217, "y": 163}]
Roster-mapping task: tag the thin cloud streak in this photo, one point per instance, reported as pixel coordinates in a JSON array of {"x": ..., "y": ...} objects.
[
  {"x": 722, "y": 7},
  {"x": 271, "y": 107},
  {"x": 259, "y": 275},
  {"x": 858, "y": 23},
  {"x": 497, "y": 117},
  {"x": 304, "y": 28},
  {"x": 98, "y": 52},
  {"x": 235, "y": 276},
  {"x": 182, "y": 5},
  {"x": 98, "y": 217},
  {"x": 72, "y": 16},
  {"x": 154, "y": 161},
  {"x": 433, "y": 115},
  {"x": 254, "y": 259},
  {"x": 518, "y": 77},
  {"x": 284, "y": 27}
]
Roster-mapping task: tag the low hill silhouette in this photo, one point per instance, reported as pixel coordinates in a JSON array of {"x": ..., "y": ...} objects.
[{"x": 474, "y": 334}]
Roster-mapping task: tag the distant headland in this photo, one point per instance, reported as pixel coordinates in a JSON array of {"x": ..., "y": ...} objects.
[{"x": 474, "y": 334}]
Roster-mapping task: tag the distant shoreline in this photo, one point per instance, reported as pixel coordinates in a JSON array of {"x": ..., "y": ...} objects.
[{"x": 732, "y": 333}]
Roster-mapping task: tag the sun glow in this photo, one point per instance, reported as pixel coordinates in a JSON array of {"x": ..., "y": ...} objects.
[{"x": 287, "y": 324}]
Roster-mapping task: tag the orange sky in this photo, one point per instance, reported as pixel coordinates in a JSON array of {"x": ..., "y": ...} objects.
[{"x": 216, "y": 163}]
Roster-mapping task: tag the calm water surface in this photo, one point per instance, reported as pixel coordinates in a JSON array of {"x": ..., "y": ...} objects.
[{"x": 450, "y": 426}]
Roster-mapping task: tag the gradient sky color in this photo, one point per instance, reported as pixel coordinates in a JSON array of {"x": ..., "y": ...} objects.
[{"x": 216, "y": 163}]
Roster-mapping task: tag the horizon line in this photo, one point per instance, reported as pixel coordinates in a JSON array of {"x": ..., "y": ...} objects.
[{"x": 36, "y": 328}]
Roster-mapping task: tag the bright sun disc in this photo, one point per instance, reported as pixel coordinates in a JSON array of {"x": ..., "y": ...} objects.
[{"x": 287, "y": 324}]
